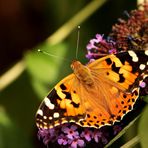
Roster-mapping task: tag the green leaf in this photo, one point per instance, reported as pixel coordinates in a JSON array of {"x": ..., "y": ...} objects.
[
  {"x": 45, "y": 69},
  {"x": 143, "y": 128},
  {"x": 10, "y": 135},
  {"x": 145, "y": 98}
]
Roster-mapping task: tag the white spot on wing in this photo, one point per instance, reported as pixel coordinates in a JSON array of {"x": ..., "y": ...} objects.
[
  {"x": 146, "y": 52},
  {"x": 48, "y": 103},
  {"x": 40, "y": 112},
  {"x": 142, "y": 66},
  {"x": 56, "y": 115},
  {"x": 45, "y": 127},
  {"x": 45, "y": 123},
  {"x": 135, "y": 59},
  {"x": 37, "y": 124},
  {"x": 133, "y": 55},
  {"x": 45, "y": 117},
  {"x": 50, "y": 118}
]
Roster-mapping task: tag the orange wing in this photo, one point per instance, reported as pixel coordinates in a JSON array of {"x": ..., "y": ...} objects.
[
  {"x": 116, "y": 89},
  {"x": 62, "y": 105},
  {"x": 117, "y": 80}
]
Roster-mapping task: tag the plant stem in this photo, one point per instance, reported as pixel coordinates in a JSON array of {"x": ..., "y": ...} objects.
[
  {"x": 12, "y": 74},
  {"x": 80, "y": 17},
  {"x": 131, "y": 143}
]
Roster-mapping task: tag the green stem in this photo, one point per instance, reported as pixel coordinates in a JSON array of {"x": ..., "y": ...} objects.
[
  {"x": 131, "y": 143},
  {"x": 12, "y": 74},
  {"x": 80, "y": 17}
]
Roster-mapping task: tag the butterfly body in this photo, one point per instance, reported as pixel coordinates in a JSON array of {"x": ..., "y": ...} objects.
[
  {"x": 82, "y": 73},
  {"x": 95, "y": 95}
]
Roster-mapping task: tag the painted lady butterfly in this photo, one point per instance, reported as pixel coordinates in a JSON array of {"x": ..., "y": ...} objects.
[{"x": 95, "y": 95}]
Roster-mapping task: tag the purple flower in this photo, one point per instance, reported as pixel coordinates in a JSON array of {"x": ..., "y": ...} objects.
[
  {"x": 112, "y": 51},
  {"x": 99, "y": 47},
  {"x": 71, "y": 132},
  {"x": 92, "y": 42},
  {"x": 117, "y": 129},
  {"x": 48, "y": 135},
  {"x": 99, "y": 136},
  {"x": 62, "y": 139},
  {"x": 142, "y": 84},
  {"x": 144, "y": 88},
  {"x": 87, "y": 134},
  {"x": 77, "y": 142},
  {"x": 44, "y": 134}
]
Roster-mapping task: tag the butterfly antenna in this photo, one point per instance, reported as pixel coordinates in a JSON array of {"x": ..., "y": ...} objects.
[
  {"x": 47, "y": 53},
  {"x": 78, "y": 39}
]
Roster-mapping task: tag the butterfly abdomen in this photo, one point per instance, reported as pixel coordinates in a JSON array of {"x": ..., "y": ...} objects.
[{"x": 82, "y": 73}]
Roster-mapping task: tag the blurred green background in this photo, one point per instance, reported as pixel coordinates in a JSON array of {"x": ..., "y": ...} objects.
[{"x": 28, "y": 25}]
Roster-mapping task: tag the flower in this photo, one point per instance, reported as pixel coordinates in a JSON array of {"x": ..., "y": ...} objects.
[
  {"x": 44, "y": 134},
  {"x": 48, "y": 135},
  {"x": 71, "y": 132},
  {"x": 62, "y": 140},
  {"x": 87, "y": 134},
  {"x": 99, "y": 47},
  {"x": 99, "y": 136},
  {"x": 142, "y": 85},
  {"x": 77, "y": 142},
  {"x": 112, "y": 51},
  {"x": 93, "y": 42},
  {"x": 133, "y": 32},
  {"x": 144, "y": 88},
  {"x": 117, "y": 129},
  {"x": 125, "y": 35}
]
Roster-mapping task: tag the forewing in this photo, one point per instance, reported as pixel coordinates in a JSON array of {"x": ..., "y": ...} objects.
[{"x": 62, "y": 105}]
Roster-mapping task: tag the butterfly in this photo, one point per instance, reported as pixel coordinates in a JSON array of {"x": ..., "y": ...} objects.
[{"x": 98, "y": 94}]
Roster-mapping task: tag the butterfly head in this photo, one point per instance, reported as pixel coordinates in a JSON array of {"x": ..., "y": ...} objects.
[
  {"x": 75, "y": 64},
  {"x": 82, "y": 73}
]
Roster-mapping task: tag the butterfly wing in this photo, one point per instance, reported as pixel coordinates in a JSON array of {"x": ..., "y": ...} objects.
[
  {"x": 62, "y": 105},
  {"x": 123, "y": 69},
  {"x": 116, "y": 89}
]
